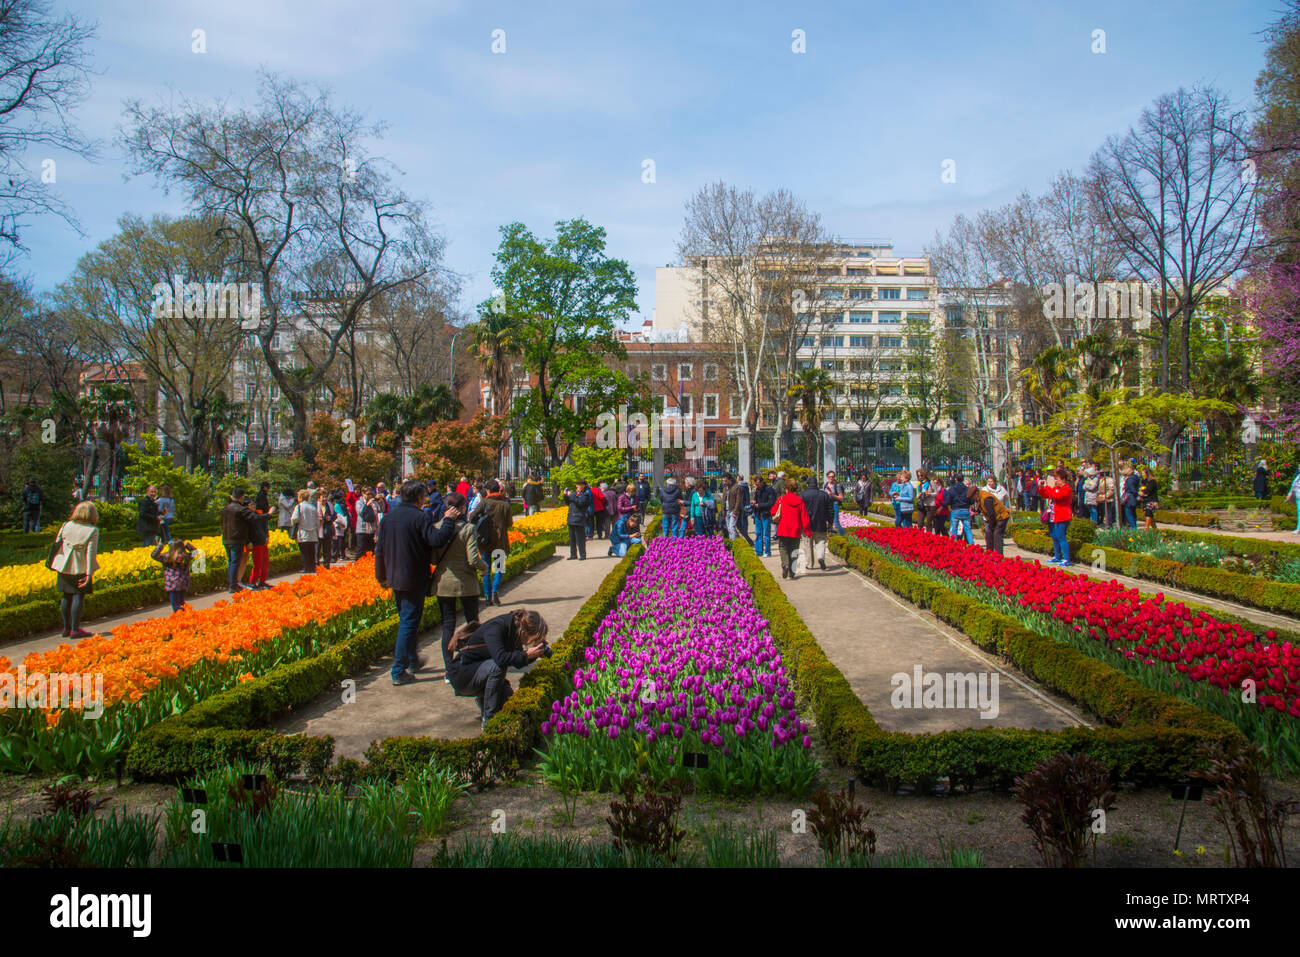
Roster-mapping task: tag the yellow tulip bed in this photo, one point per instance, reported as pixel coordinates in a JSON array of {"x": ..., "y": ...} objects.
[
  {"x": 22, "y": 583},
  {"x": 543, "y": 523}
]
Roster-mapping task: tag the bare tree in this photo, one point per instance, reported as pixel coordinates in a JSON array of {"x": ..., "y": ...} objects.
[
  {"x": 43, "y": 76},
  {"x": 1178, "y": 208},
  {"x": 752, "y": 256},
  {"x": 304, "y": 207},
  {"x": 122, "y": 297},
  {"x": 977, "y": 302}
]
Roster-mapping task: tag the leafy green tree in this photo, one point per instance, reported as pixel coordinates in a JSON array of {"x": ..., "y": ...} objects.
[
  {"x": 593, "y": 465},
  {"x": 565, "y": 299},
  {"x": 151, "y": 466},
  {"x": 1121, "y": 422}
]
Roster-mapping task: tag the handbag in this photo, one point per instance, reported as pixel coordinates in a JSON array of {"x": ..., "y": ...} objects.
[
  {"x": 1046, "y": 515},
  {"x": 56, "y": 549}
]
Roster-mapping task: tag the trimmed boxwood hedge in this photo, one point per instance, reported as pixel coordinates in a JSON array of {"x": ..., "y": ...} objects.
[
  {"x": 1211, "y": 582},
  {"x": 1149, "y": 737},
  {"x": 230, "y": 726},
  {"x": 21, "y": 621}
]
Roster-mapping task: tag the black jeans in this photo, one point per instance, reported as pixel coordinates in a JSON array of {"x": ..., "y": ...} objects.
[
  {"x": 577, "y": 541},
  {"x": 308, "y": 551},
  {"x": 447, "y": 609}
]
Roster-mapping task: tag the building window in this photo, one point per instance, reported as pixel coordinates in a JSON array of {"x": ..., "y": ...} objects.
[
  {"x": 954, "y": 316},
  {"x": 832, "y": 342},
  {"x": 250, "y": 392},
  {"x": 661, "y": 404},
  {"x": 828, "y": 365},
  {"x": 685, "y": 404},
  {"x": 710, "y": 441},
  {"x": 915, "y": 292},
  {"x": 830, "y": 294},
  {"x": 890, "y": 293},
  {"x": 684, "y": 371},
  {"x": 659, "y": 371},
  {"x": 859, "y": 342},
  {"x": 859, "y": 293},
  {"x": 859, "y": 317},
  {"x": 891, "y": 342},
  {"x": 710, "y": 372},
  {"x": 733, "y": 407},
  {"x": 807, "y": 342},
  {"x": 275, "y": 393},
  {"x": 831, "y": 318},
  {"x": 918, "y": 317},
  {"x": 889, "y": 317},
  {"x": 711, "y": 405}
]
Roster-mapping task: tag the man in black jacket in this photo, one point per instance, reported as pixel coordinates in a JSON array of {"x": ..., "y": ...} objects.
[
  {"x": 642, "y": 498},
  {"x": 579, "y": 503},
  {"x": 146, "y": 523},
  {"x": 670, "y": 500},
  {"x": 817, "y": 502},
  {"x": 237, "y": 521},
  {"x": 409, "y": 542}
]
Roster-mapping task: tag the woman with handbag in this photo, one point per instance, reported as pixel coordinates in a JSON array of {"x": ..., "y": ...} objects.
[
  {"x": 790, "y": 520},
  {"x": 72, "y": 556},
  {"x": 1058, "y": 491},
  {"x": 1149, "y": 499},
  {"x": 304, "y": 521},
  {"x": 455, "y": 577}
]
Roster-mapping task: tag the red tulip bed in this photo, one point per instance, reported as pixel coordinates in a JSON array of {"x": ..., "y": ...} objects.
[{"x": 1164, "y": 644}]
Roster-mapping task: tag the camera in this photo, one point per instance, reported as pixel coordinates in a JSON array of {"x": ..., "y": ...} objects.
[{"x": 547, "y": 651}]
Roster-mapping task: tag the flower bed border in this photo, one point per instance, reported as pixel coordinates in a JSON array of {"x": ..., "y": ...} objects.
[
  {"x": 231, "y": 726},
  {"x": 18, "y": 622},
  {"x": 1250, "y": 590},
  {"x": 1153, "y": 742}
]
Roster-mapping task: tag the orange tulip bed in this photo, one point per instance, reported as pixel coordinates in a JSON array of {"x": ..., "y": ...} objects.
[{"x": 108, "y": 688}]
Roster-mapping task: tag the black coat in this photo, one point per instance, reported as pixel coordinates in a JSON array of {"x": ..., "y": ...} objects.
[
  {"x": 496, "y": 639},
  {"x": 642, "y": 492},
  {"x": 435, "y": 506},
  {"x": 1261, "y": 483},
  {"x": 956, "y": 496},
  {"x": 817, "y": 502},
  {"x": 764, "y": 500},
  {"x": 409, "y": 540},
  {"x": 237, "y": 521},
  {"x": 579, "y": 507},
  {"x": 670, "y": 497},
  {"x": 146, "y": 522}
]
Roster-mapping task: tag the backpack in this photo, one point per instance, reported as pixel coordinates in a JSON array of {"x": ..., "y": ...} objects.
[
  {"x": 368, "y": 515},
  {"x": 483, "y": 533}
]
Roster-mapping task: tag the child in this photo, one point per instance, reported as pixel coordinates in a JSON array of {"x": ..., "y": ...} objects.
[{"x": 176, "y": 570}]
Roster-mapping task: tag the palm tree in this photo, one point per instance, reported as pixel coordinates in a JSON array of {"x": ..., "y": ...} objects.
[
  {"x": 1230, "y": 378},
  {"x": 1102, "y": 361},
  {"x": 814, "y": 389},
  {"x": 496, "y": 341},
  {"x": 1050, "y": 378}
]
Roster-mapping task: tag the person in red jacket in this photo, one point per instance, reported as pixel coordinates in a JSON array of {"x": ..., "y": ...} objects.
[
  {"x": 1056, "y": 490},
  {"x": 350, "y": 500},
  {"x": 463, "y": 487},
  {"x": 791, "y": 520},
  {"x": 599, "y": 503}
]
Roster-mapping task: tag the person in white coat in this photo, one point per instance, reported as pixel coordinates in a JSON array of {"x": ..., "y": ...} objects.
[{"x": 73, "y": 558}]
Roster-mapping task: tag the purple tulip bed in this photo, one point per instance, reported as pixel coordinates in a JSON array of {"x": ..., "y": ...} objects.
[{"x": 682, "y": 671}]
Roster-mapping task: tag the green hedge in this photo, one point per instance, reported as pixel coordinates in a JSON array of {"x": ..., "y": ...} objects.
[
  {"x": 1211, "y": 582},
  {"x": 230, "y": 727},
  {"x": 1150, "y": 737},
  {"x": 114, "y": 539},
  {"x": 22, "y": 621}
]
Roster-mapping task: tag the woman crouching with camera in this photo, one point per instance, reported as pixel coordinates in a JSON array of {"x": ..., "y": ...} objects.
[{"x": 484, "y": 652}]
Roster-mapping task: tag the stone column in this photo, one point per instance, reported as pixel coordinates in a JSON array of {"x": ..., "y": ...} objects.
[
  {"x": 914, "y": 433},
  {"x": 1000, "y": 451},
  {"x": 743, "y": 447},
  {"x": 659, "y": 463},
  {"x": 830, "y": 441}
]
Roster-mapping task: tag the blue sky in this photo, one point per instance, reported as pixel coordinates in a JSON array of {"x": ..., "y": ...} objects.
[{"x": 558, "y": 126}]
